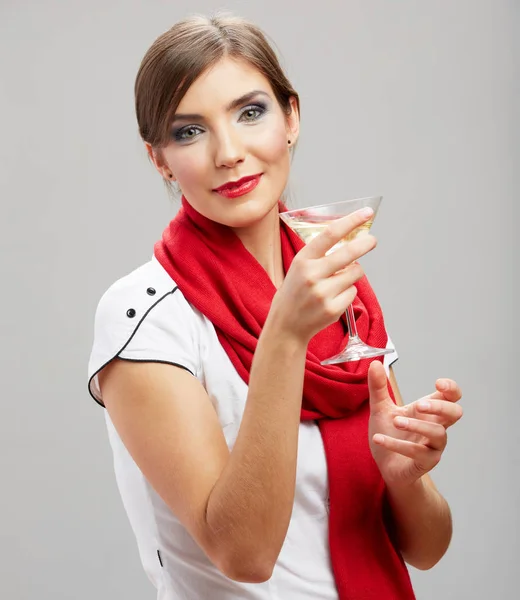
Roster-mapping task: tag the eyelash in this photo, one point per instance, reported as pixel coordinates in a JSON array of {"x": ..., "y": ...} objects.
[
  {"x": 261, "y": 108},
  {"x": 178, "y": 134}
]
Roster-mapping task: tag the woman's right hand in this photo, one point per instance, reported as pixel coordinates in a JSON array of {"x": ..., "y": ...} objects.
[{"x": 318, "y": 288}]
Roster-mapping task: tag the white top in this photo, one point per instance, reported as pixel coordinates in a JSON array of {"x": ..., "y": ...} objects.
[{"x": 145, "y": 317}]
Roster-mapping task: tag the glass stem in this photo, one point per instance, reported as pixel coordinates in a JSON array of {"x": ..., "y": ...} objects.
[{"x": 351, "y": 324}]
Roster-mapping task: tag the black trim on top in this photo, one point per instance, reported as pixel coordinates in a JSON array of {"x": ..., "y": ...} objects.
[
  {"x": 155, "y": 360},
  {"x": 128, "y": 341}
]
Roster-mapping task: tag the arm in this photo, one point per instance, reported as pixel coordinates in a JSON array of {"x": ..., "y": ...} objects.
[
  {"x": 237, "y": 505},
  {"x": 422, "y": 516}
]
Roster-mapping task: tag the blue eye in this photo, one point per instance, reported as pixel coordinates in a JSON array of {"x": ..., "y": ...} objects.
[
  {"x": 186, "y": 133},
  {"x": 253, "y": 112}
]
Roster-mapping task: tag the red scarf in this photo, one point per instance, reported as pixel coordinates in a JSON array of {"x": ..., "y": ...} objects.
[{"x": 225, "y": 282}]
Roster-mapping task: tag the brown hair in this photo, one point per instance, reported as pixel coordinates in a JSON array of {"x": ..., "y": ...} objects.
[{"x": 181, "y": 54}]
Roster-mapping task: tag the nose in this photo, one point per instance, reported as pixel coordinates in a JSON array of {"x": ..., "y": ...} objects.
[{"x": 229, "y": 149}]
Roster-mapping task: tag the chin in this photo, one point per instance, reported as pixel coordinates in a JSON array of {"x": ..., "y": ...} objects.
[{"x": 242, "y": 212}]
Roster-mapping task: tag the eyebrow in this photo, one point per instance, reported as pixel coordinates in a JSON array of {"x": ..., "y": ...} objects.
[{"x": 231, "y": 106}]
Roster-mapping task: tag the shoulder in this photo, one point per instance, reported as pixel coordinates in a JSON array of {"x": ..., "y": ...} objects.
[
  {"x": 129, "y": 300},
  {"x": 143, "y": 316},
  {"x": 139, "y": 290}
]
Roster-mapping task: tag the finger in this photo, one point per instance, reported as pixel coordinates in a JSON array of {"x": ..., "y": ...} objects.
[
  {"x": 346, "y": 254},
  {"x": 377, "y": 386},
  {"x": 335, "y": 232},
  {"x": 340, "y": 303},
  {"x": 448, "y": 389},
  {"x": 339, "y": 282},
  {"x": 434, "y": 432},
  {"x": 449, "y": 412},
  {"x": 425, "y": 457}
]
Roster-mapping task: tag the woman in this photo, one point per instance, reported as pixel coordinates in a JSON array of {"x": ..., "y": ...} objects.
[{"x": 247, "y": 469}]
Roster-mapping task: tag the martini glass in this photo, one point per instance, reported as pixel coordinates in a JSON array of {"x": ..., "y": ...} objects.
[{"x": 309, "y": 222}]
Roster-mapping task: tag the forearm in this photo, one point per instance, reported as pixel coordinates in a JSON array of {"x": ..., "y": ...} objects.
[
  {"x": 251, "y": 504},
  {"x": 423, "y": 522}
]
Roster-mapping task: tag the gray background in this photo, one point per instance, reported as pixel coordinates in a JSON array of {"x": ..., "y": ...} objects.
[{"x": 414, "y": 100}]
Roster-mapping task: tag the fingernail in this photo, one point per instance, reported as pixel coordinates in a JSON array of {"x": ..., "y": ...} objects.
[
  {"x": 424, "y": 405},
  {"x": 443, "y": 385},
  {"x": 366, "y": 212}
]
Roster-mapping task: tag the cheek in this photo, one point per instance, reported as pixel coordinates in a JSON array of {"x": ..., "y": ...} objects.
[
  {"x": 273, "y": 146},
  {"x": 272, "y": 151},
  {"x": 188, "y": 167}
]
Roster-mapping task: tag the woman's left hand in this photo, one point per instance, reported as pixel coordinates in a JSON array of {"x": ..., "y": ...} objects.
[{"x": 408, "y": 441}]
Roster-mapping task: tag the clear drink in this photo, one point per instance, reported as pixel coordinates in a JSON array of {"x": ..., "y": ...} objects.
[{"x": 309, "y": 229}]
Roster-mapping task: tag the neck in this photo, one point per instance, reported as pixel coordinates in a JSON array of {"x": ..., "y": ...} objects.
[{"x": 263, "y": 242}]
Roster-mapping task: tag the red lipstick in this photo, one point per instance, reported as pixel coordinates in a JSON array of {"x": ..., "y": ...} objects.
[{"x": 233, "y": 189}]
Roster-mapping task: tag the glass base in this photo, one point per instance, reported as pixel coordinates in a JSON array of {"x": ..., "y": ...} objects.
[{"x": 356, "y": 350}]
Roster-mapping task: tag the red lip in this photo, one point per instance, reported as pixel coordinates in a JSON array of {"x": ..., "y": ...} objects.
[{"x": 235, "y": 184}]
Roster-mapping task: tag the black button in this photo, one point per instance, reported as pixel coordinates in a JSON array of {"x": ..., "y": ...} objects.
[
  {"x": 130, "y": 313},
  {"x": 151, "y": 292}
]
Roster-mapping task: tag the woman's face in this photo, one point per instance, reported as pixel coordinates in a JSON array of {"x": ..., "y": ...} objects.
[{"x": 228, "y": 126}]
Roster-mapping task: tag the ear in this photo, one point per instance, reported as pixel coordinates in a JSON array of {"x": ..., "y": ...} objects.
[
  {"x": 293, "y": 121},
  {"x": 160, "y": 164}
]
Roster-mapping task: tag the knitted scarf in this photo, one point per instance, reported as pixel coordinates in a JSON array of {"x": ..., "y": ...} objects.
[{"x": 220, "y": 278}]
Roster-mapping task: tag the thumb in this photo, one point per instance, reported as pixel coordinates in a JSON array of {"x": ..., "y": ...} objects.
[{"x": 377, "y": 385}]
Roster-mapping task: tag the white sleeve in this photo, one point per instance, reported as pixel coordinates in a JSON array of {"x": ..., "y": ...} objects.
[
  {"x": 145, "y": 319},
  {"x": 390, "y": 358},
  {"x": 165, "y": 334}
]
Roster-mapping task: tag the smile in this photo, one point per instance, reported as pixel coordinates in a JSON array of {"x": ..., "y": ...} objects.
[{"x": 233, "y": 189}]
